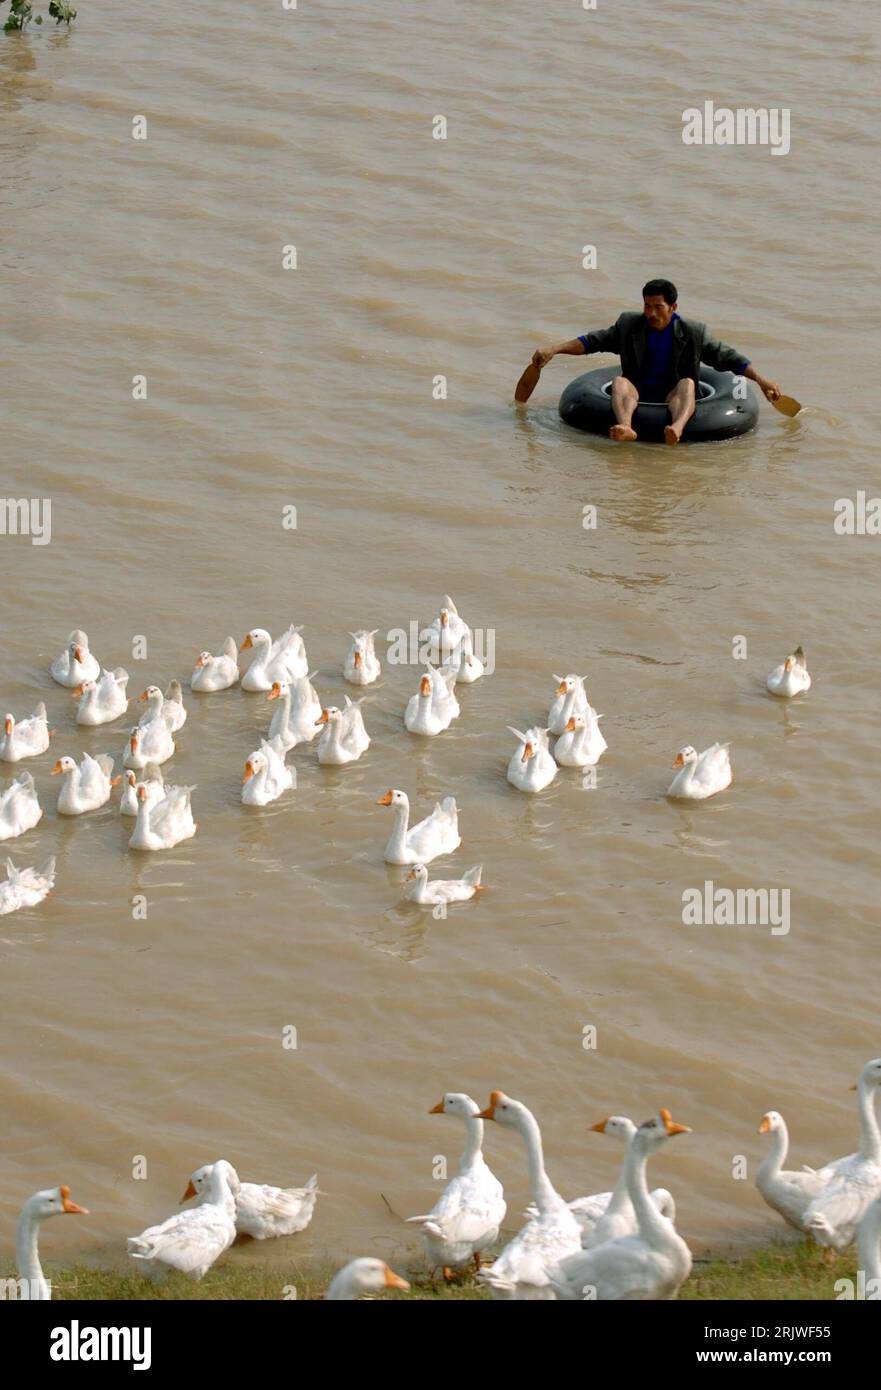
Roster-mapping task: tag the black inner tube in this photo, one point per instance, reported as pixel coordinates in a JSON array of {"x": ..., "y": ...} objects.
[{"x": 719, "y": 414}]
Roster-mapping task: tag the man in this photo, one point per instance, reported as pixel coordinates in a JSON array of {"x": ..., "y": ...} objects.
[{"x": 660, "y": 356}]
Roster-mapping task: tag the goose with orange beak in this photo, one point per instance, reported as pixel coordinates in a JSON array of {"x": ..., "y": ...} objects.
[
  {"x": 361, "y": 1278},
  {"x": 700, "y": 775},
  {"x": 429, "y": 892},
  {"x": 852, "y": 1183},
  {"x": 570, "y": 697},
  {"x": 20, "y": 808},
  {"x": 791, "y": 677},
  {"x": 151, "y": 778},
  {"x": 435, "y": 835},
  {"x": 219, "y": 672},
  {"x": 163, "y": 824},
  {"x": 466, "y": 1218},
  {"x": 265, "y": 777},
  {"x": 103, "y": 700},
  {"x": 76, "y": 663},
  {"x": 84, "y": 787},
  {"x": 445, "y": 632},
  {"x": 297, "y": 714},
  {"x": 26, "y": 887},
  {"x": 192, "y": 1240},
  {"x": 527, "y": 1266},
  {"x": 581, "y": 744},
  {"x": 651, "y": 1263},
  {"x": 362, "y": 666},
  {"x": 433, "y": 708},
  {"x": 52, "y": 1201},
  {"x": 262, "y": 1211},
  {"x": 168, "y": 707},
  {"x": 531, "y": 768},
  {"x": 281, "y": 660},
  {"x": 344, "y": 737},
  {"x": 148, "y": 743},
  {"x": 26, "y": 739},
  {"x": 462, "y": 664},
  {"x": 785, "y": 1191}
]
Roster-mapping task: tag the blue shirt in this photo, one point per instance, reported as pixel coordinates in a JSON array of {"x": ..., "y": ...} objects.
[{"x": 658, "y": 376}]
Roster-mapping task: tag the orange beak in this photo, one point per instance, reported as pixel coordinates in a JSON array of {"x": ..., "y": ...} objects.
[
  {"x": 411, "y": 874},
  {"x": 78, "y": 654},
  {"x": 200, "y": 662},
  {"x": 133, "y": 743},
  {"x": 528, "y": 752},
  {"x": 570, "y": 727},
  {"x": 679, "y": 761},
  {"x": 854, "y": 1087},
  {"x": 275, "y": 692},
  {"x": 8, "y": 725},
  {"x": 394, "y": 1281},
  {"x": 437, "y": 1109},
  {"x": 601, "y": 1127},
  {"x": 143, "y": 697},
  {"x": 190, "y": 1192},
  {"x": 425, "y": 686},
  {"x": 490, "y": 1112},
  {"x": 356, "y": 660},
  {"x": 562, "y": 688},
  {"x": 246, "y": 644},
  {"x": 671, "y": 1126},
  {"x": 322, "y": 719},
  {"x": 249, "y": 771},
  {"x": 57, "y": 768},
  {"x": 445, "y": 618},
  {"x": 76, "y": 693},
  {"x": 765, "y": 1126},
  {"x": 71, "y": 1207},
  {"x": 385, "y": 800},
  {"x": 788, "y": 664}
]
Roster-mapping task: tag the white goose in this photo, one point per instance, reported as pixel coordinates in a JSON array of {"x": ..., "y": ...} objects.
[
  {"x": 418, "y": 888},
  {"x": 152, "y": 779},
  {"x": 76, "y": 663},
  {"x": 791, "y": 677},
  {"x": 216, "y": 672},
  {"x": 619, "y": 1217},
  {"x": 282, "y": 660},
  {"x": 531, "y": 768},
  {"x": 52, "y": 1201},
  {"x": 427, "y": 713},
  {"x": 530, "y": 1262},
  {"x": 20, "y": 808},
  {"x": 165, "y": 823},
  {"x": 168, "y": 707},
  {"x": 298, "y": 716},
  {"x": 84, "y": 787},
  {"x": 103, "y": 700},
  {"x": 869, "y": 1249},
  {"x": 26, "y": 887},
  {"x": 148, "y": 743},
  {"x": 581, "y": 744},
  {"x": 465, "y": 1219},
  {"x": 437, "y": 834},
  {"x": 364, "y": 1276},
  {"x": 850, "y": 1184},
  {"x": 445, "y": 632},
  {"x": 262, "y": 1212},
  {"x": 265, "y": 777},
  {"x": 362, "y": 666},
  {"x": 192, "y": 1240},
  {"x": 653, "y": 1262},
  {"x": 701, "y": 774},
  {"x": 785, "y": 1191},
  {"x": 462, "y": 663},
  {"x": 570, "y": 698},
  {"x": 344, "y": 737},
  {"x": 26, "y": 739}
]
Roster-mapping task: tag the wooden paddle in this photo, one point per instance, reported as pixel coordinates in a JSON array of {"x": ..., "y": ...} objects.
[
  {"x": 787, "y": 405},
  {"x": 527, "y": 384}
]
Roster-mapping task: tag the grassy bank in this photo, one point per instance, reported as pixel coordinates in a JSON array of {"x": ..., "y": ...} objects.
[{"x": 784, "y": 1272}]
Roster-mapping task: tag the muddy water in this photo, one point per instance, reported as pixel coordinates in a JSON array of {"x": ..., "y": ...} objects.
[{"x": 315, "y": 388}]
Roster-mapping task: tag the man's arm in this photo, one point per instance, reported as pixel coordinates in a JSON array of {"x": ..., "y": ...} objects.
[
  {"x": 604, "y": 340},
  {"x": 728, "y": 359}
]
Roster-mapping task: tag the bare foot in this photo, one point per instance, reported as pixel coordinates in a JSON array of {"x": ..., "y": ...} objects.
[
  {"x": 671, "y": 434},
  {"x": 620, "y": 433}
]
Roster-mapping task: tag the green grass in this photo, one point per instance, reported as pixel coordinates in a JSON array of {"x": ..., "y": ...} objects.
[{"x": 788, "y": 1272}]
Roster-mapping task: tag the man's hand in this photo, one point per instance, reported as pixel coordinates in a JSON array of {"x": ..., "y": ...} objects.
[
  {"x": 770, "y": 388},
  {"x": 542, "y": 356}
]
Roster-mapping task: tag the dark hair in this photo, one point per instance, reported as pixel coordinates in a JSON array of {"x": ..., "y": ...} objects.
[{"x": 664, "y": 287}]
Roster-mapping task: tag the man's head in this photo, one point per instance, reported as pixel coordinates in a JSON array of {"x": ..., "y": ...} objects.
[{"x": 659, "y": 302}]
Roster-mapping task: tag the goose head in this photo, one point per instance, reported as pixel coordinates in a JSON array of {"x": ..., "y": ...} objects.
[
  {"x": 151, "y": 693},
  {"x": 201, "y": 1180},
  {"x": 84, "y": 688},
  {"x": 393, "y": 797},
  {"x": 362, "y": 646},
  {"x": 618, "y": 1126},
  {"x": 418, "y": 871},
  {"x": 771, "y": 1123},
  {"x": 9, "y": 723},
  {"x": 254, "y": 638},
  {"x": 576, "y": 721},
  {"x": 456, "y": 1103},
  {"x": 566, "y": 684},
  {"x": 503, "y": 1110},
  {"x": 255, "y": 763},
  {"x": 278, "y": 691},
  {"x": 331, "y": 715},
  {"x": 52, "y": 1201},
  {"x": 656, "y": 1131},
  {"x": 425, "y": 687},
  {"x": 78, "y": 645},
  {"x": 369, "y": 1275},
  {"x": 870, "y": 1076},
  {"x": 685, "y": 756},
  {"x": 64, "y": 764},
  {"x": 203, "y": 659},
  {"x": 131, "y": 778}
]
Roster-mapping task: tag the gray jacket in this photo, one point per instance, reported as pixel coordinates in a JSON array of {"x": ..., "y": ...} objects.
[{"x": 691, "y": 346}]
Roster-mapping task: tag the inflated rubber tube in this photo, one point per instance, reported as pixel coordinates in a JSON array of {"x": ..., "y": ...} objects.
[{"x": 586, "y": 404}]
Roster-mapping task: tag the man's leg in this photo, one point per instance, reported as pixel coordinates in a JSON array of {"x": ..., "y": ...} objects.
[
  {"x": 680, "y": 403},
  {"x": 625, "y": 399}
]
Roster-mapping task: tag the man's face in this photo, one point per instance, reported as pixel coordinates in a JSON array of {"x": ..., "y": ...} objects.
[{"x": 658, "y": 311}]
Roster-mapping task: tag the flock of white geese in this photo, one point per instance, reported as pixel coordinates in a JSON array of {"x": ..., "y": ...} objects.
[
  {"x": 607, "y": 1246},
  {"x": 611, "y": 1245}
]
